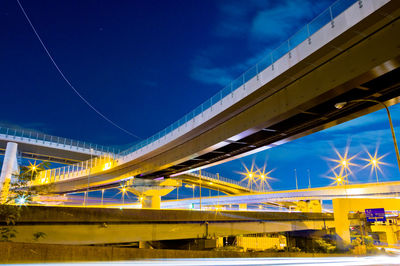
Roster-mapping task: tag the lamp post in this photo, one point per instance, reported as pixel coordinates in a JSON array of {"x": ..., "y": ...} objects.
[
  {"x": 396, "y": 148},
  {"x": 88, "y": 179}
]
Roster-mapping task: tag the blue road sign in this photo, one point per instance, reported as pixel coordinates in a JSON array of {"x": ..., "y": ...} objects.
[{"x": 375, "y": 215}]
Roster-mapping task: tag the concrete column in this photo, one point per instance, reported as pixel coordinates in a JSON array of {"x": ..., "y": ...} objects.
[
  {"x": 342, "y": 222},
  {"x": 342, "y": 207},
  {"x": 151, "y": 202},
  {"x": 9, "y": 167}
]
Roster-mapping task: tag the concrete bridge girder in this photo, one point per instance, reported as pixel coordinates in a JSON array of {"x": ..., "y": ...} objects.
[{"x": 119, "y": 233}]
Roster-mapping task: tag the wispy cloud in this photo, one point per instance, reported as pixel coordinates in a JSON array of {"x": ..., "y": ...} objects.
[
  {"x": 205, "y": 71},
  {"x": 256, "y": 26}
]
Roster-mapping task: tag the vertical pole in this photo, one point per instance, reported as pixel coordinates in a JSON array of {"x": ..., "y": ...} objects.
[
  {"x": 309, "y": 178},
  {"x": 200, "y": 186},
  {"x": 218, "y": 190},
  {"x": 295, "y": 175},
  {"x": 102, "y": 197},
  {"x": 396, "y": 148}
]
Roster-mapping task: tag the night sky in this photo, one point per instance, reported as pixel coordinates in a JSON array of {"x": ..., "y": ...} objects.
[{"x": 145, "y": 64}]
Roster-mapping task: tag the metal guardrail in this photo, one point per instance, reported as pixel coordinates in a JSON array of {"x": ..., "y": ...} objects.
[
  {"x": 219, "y": 179},
  {"x": 102, "y": 163},
  {"x": 85, "y": 168},
  {"x": 302, "y": 35},
  {"x": 43, "y": 138}
]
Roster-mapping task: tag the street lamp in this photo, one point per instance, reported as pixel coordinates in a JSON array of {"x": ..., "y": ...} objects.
[{"x": 396, "y": 148}]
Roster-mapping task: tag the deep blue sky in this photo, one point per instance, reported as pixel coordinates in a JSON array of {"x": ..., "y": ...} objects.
[{"x": 146, "y": 63}]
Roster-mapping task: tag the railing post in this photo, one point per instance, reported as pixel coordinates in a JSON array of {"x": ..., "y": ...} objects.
[
  {"x": 330, "y": 12},
  {"x": 272, "y": 61}
]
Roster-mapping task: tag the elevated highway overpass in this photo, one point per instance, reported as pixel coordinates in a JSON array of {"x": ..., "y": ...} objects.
[
  {"x": 365, "y": 190},
  {"x": 51, "y": 148},
  {"x": 82, "y": 226},
  {"x": 340, "y": 56}
]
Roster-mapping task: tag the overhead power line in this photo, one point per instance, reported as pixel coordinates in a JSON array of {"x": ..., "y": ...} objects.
[{"x": 67, "y": 80}]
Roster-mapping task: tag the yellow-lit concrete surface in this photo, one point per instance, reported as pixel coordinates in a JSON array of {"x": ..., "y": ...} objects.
[
  {"x": 107, "y": 233},
  {"x": 343, "y": 206},
  {"x": 258, "y": 243},
  {"x": 67, "y": 225},
  {"x": 47, "y": 253}
]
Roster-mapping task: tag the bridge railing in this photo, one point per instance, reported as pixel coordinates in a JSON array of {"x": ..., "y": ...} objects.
[
  {"x": 220, "y": 180},
  {"x": 85, "y": 168},
  {"x": 302, "y": 35},
  {"x": 36, "y": 137}
]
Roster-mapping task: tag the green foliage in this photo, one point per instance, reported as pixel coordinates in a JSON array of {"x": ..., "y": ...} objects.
[
  {"x": 6, "y": 233},
  {"x": 324, "y": 246},
  {"x": 38, "y": 235},
  {"x": 20, "y": 194}
]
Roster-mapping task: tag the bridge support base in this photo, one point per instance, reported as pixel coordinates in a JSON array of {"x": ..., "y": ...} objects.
[
  {"x": 151, "y": 202},
  {"x": 10, "y": 166}
]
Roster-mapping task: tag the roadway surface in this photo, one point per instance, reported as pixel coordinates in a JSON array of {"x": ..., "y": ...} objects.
[
  {"x": 332, "y": 261},
  {"x": 371, "y": 190}
]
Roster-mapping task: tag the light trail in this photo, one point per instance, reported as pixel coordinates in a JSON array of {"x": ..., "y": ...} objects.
[{"x": 331, "y": 261}]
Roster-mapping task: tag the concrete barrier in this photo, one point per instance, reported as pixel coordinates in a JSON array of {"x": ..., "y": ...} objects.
[{"x": 11, "y": 252}]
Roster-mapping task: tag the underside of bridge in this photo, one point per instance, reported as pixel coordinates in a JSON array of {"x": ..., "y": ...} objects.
[{"x": 380, "y": 82}]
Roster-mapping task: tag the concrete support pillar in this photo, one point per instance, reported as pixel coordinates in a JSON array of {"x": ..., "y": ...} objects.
[
  {"x": 342, "y": 207},
  {"x": 243, "y": 207},
  {"x": 151, "y": 202},
  {"x": 10, "y": 166},
  {"x": 342, "y": 222}
]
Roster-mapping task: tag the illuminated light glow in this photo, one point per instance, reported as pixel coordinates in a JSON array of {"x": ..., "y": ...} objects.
[
  {"x": 343, "y": 163},
  {"x": 249, "y": 175},
  {"x": 338, "y": 179},
  {"x": 375, "y": 163},
  {"x": 264, "y": 178},
  {"x": 107, "y": 166},
  {"x": 21, "y": 200},
  {"x": 33, "y": 167}
]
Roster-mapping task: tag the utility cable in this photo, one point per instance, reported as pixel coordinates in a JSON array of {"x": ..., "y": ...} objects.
[{"x": 66, "y": 79}]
